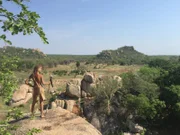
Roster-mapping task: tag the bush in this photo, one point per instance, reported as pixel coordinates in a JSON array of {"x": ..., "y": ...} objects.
[
  {"x": 145, "y": 108},
  {"x": 104, "y": 93},
  {"x": 60, "y": 72}
]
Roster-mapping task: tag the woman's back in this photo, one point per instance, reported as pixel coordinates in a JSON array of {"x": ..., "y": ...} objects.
[{"x": 37, "y": 78}]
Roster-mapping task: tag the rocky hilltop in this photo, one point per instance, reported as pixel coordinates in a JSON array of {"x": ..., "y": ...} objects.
[
  {"x": 126, "y": 55},
  {"x": 57, "y": 122},
  {"x": 22, "y": 53}
]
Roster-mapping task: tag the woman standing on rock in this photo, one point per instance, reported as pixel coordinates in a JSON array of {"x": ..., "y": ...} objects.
[{"x": 38, "y": 90}]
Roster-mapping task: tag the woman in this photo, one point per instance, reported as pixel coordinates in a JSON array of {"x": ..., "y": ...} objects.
[{"x": 38, "y": 91}]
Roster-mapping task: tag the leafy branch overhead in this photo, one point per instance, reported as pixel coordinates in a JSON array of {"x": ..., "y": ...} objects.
[{"x": 25, "y": 21}]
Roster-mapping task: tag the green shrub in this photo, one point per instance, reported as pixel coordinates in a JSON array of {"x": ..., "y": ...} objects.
[
  {"x": 104, "y": 93},
  {"x": 60, "y": 72}
]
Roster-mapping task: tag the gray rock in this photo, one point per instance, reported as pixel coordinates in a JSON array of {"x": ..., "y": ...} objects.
[
  {"x": 73, "y": 90},
  {"x": 89, "y": 77},
  {"x": 20, "y": 94},
  {"x": 53, "y": 105}
]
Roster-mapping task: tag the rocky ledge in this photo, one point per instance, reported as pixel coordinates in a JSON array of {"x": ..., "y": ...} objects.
[{"x": 57, "y": 122}]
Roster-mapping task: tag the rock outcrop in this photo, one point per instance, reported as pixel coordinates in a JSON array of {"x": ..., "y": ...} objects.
[
  {"x": 57, "y": 122},
  {"x": 22, "y": 95},
  {"x": 88, "y": 83},
  {"x": 73, "y": 88}
]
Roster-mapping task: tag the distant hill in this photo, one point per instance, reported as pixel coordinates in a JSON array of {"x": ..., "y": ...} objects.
[
  {"x": 22, "y": 52},
  {"x": 124, "y": 55}
]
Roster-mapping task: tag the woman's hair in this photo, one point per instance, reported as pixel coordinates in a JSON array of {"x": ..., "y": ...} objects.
[{"x": 36, "y": 68}]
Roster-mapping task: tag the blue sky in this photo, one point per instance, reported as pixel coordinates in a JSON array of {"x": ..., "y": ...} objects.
[{"x": 90, "y": 26}]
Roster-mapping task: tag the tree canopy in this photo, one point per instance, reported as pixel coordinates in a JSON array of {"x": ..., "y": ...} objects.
[{"x": 25, "y": 21}]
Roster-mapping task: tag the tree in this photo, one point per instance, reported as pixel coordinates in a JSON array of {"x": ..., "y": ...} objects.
[
  {"x": 135, "y": 84},
  {"x": 145, "y": 108},
  {"x": 160, "y": 63},
  {"x": 77, "y": 64},
  {"x": 8, "y": 82},
  {"x": 25, "y": 21},
  {"x": 105, "y": 91},
  {"x": 149, "y": 74},
  {"x": 171, "y": 95}
]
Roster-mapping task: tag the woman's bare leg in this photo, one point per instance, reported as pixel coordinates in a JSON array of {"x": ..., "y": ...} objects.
[
  {"x": 41, "y": 107},
  {"x": 32, "y": 107}
]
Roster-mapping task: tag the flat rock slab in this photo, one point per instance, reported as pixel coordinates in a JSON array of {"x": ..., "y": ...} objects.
[{"x": 57, "y": 122}]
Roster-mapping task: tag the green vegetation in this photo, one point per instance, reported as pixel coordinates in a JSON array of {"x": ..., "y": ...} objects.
[
  {"x": 26, "y": 54},
  {"x": 122, "y": 56},
  {"x": 126, "y": 55},
  {"x": 25, "y": 21},
  {"x": 8, "y": 81},
  {"x": 31, "y": 57},
  {"x": 151, "y": 95},
  {"x": 33, "y": 131},
  {"x": 60, "y": 72},
  {"x": 5, "y": 127},
  {"x": 104, "y": 93}
]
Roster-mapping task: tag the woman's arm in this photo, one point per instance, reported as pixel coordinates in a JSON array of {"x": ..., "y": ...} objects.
[{"x": 43, "y": 82}]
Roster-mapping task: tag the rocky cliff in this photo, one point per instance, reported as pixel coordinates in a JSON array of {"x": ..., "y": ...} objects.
[{"x": 57, "y": 122}]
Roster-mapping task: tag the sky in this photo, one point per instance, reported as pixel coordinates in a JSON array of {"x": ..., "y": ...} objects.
[{"x": 90, "y": 26}]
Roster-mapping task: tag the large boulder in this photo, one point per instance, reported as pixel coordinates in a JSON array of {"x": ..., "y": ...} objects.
[
  {"x": 69, "y": 105},
  {"x": 20, "y": 94},
  {"x": 57, "y": 122},
  {"x": 89, "y": 77},
  {"x": 24, "y": 101},
  {"x": 87, "y": 87},
  {"x": 73, "y": 90},
  {"x": 14, "y": 104},
  {"x": 28, "y": 97},
  {"x": 75, "y": 81}
]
